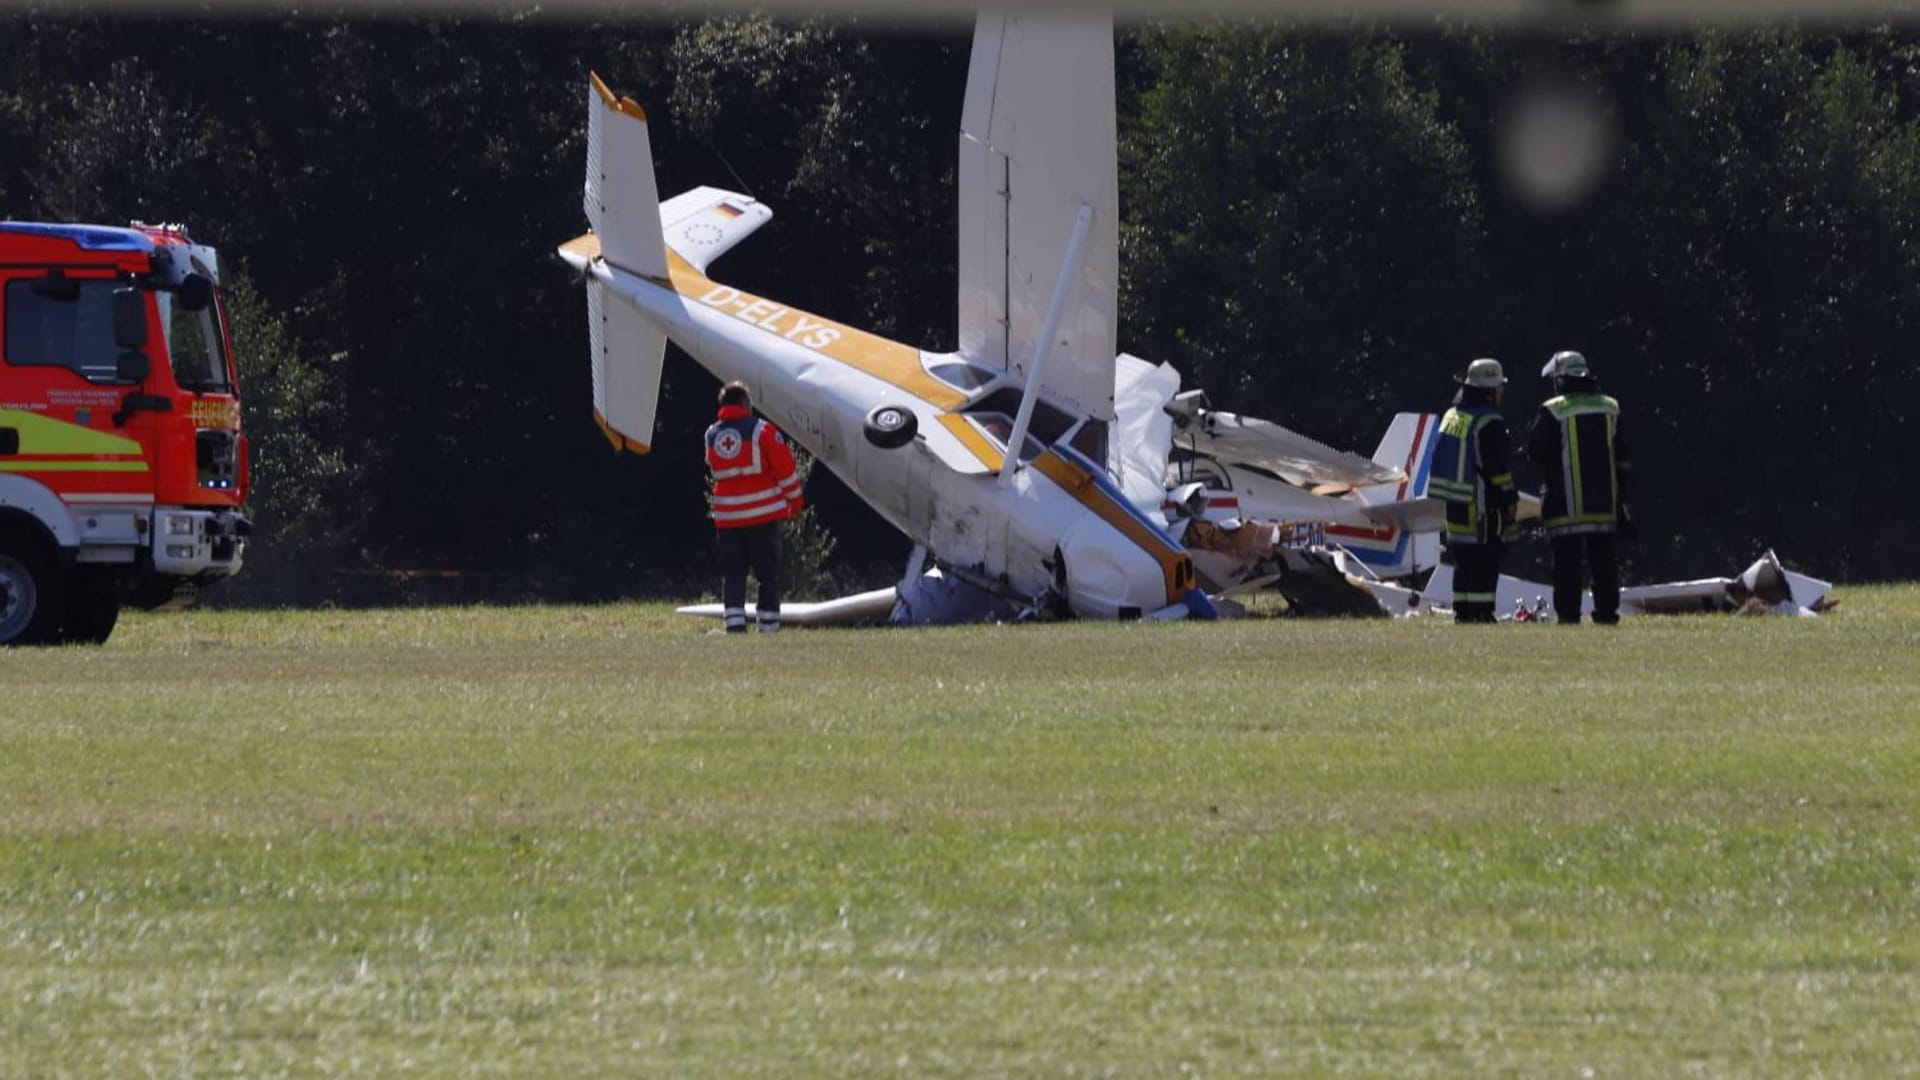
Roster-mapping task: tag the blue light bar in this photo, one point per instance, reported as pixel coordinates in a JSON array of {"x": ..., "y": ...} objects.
[{"x": 88, "y": 237}]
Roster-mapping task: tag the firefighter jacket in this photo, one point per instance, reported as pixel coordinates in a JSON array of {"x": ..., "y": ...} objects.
[
  {"x": 1576, "y": 443},
  {"x": 754, "y": 480},
  {"x": 1473, "y": 475}
]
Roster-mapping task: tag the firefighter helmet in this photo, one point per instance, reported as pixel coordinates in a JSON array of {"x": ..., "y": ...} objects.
[
  {"x": 1566, "y": 365},
  {"x": 1484, "y": 373}
]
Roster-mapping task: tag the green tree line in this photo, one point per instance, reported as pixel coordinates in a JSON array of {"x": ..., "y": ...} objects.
[{"x": 1317, "y": 228}]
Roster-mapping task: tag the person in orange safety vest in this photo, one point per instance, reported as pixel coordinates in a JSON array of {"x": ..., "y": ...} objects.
[{"x": 755, "y": 488}]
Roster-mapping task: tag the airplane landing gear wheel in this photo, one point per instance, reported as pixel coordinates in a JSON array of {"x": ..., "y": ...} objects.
[
  {"x": 890, "y": 426},
  {"x": 32, "y": 592}
]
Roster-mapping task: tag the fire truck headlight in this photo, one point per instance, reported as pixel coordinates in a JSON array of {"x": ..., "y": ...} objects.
[
  {"x": 179, "y": 551},
  {"x": 180, "y": 525}
]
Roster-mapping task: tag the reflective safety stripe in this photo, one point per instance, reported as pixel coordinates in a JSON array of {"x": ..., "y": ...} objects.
[
  {"x": 46, "y": 435},
  {"x": 776, "y": 506},
  {"x": 763, "y": 495},
  {"x": 1570, "y": 405},
  {"x": 57, "y": 465},
  {"x": 1582, "y": 527},
  {"x": 1473, "y": 597},
  {"x": 1459, "y": 425},
  {"x": 1567, "y": 409}
]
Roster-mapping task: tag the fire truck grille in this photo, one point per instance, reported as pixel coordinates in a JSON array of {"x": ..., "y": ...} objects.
[{"x": 216, "y": 454}]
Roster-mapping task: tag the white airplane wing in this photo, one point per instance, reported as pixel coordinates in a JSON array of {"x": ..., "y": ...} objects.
[
  {"x": 1037, "y": 145},
  {"x": 866, "y": 607}
]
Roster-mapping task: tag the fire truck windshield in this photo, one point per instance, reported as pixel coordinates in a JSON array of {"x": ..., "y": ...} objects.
[{"x": 194, "y": 344}]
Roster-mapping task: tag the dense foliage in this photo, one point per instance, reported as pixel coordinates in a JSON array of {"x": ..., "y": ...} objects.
[{"x": 1317, "y": 230}]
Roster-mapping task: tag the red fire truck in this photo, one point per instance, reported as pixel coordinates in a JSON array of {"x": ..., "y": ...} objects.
[{"x": 123, "y": 469}]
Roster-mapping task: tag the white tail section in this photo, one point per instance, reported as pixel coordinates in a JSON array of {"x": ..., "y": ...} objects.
[
  {"x": 1408, "y": 446},
  {"x": 1404, "y": 538},
  {"x": 1037, "y": 145},
  {"x": 703, "y": 224},
  {"x": 628, "y": 352},
  {"x": 622, "y": 198}
]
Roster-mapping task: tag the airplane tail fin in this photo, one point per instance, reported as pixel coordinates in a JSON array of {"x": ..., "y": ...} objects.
[
  {"x": 623, "y": 206},
  {"x": 622, "y": 197},
  {"x": 1405, "y": 536},
  {"x": 629, "y": 350},
  {"x": 1408, "y": 446},
  {"x": 632, "y": 231}
]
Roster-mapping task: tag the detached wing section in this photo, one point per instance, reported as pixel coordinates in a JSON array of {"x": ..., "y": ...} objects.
[
  {"x": 1295, "y": 458},
  {"x": 1036, "y": 145}
]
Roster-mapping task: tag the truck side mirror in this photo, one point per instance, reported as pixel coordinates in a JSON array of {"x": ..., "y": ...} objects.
[
  {"x": 196, "y": 292},
  {"x": 131, "y": 366},
  {"x": 129, "y": 318}
]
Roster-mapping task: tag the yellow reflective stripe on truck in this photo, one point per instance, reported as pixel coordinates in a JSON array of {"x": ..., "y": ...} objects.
[
  {"x": 71, "y": 465},
  {"x": 45, "y": 435}
]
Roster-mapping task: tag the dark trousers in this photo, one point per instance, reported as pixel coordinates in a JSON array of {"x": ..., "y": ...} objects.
[
  {"x": 758, "y": 547},
  {"x": 1569, "y": 580},
  {"x": 1476, "y": 573}
]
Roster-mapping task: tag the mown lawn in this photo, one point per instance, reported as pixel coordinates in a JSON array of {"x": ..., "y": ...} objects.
[{"x": 601, "y": 840}]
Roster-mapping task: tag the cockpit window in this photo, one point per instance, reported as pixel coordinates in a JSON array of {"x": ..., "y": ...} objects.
[
  {"x": 1091, "y": 439},
  {"x": 963, "y": 377},
  {"x": 1000, "y": 427},
  {"x": 1049, "y": 426}
]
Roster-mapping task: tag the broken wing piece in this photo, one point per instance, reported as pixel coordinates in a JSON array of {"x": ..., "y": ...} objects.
[
  {"x": 856, "y": 610},
  {"x": 1765, "y": 586},
  {"x": 1293, "y": 457}
]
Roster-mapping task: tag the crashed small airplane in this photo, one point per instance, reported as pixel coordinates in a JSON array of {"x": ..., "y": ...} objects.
[
  {"x": 1032, "y": 464},
  {"x": 1044, "y": 473}
]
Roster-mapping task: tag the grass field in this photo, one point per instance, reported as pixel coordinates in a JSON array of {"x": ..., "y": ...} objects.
[{"x": 599, "y": 840}]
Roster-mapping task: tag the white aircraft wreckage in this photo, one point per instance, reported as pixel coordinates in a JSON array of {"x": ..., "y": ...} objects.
[{"x": 1044, "y": 473}]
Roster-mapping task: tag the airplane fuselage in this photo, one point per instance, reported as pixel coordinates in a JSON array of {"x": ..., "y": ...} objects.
[{"x": 1057, "y": 521}]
